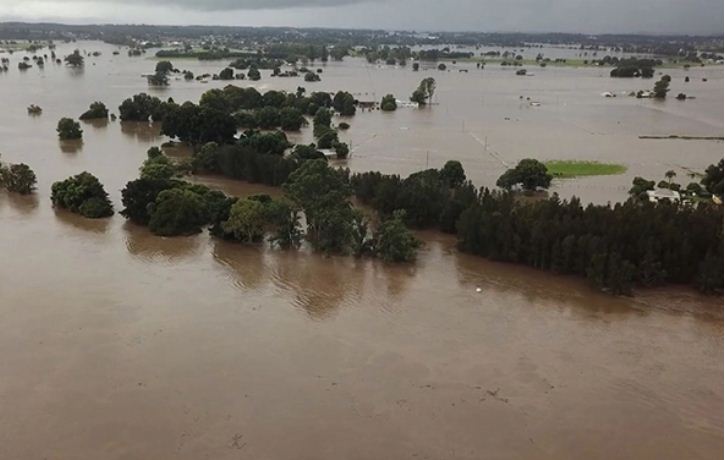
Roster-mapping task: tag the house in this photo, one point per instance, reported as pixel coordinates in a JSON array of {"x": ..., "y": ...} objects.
[{"x": 663, "y": 194}]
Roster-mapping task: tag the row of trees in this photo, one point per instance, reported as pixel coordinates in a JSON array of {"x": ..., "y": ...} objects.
[
  {"x": 615, "y": 247},
  {"x": 221, "y": 112}
]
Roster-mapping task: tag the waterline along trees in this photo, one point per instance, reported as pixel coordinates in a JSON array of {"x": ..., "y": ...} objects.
[{"x": 615, "y": 247}]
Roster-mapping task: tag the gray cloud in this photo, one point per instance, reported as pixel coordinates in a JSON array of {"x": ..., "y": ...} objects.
[
  {"x": 234, "y": 5},
  {"x": 586, "y": 16}
]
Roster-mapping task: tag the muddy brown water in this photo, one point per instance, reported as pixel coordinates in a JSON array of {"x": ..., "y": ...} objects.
[{"x": 115, "y": 343}]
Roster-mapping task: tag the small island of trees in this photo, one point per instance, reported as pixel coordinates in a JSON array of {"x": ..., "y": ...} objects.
[
  {"x": 82, "y": 194},
  {"x": 69, "y": 129}
]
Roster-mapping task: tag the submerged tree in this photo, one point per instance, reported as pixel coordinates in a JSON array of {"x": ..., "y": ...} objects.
[
  {"x": 69, "y": 129},
  {"x": 394, "y": 242},
  {"x": 17, "y": 178},
  {"x": 82, "y": 194},
  {"x": 97, "y": 110},
  {"x": 388, "y": 103},
  {"x": 75, "y": 59}
]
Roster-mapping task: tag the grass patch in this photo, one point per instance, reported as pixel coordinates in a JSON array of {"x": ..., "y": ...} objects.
[{"x": 574, "y": 168}]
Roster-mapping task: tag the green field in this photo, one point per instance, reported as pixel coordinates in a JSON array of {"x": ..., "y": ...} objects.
[{"x": 574, "y": 168}]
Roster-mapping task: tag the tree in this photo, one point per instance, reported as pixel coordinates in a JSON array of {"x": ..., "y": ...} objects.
[
  {"x": 164, "y": 67},
  {"x": 662, "y": 87},
  {"x": 158, "y": 79},
  {"x": 394, "y": 242},
  {"x": 157, "y": 168},
  {"x": 425, "y": 91},
  {"x": 307, "y": 152},
  {"x": 341, "y": 150},
  {"x": 327, "y": 139},
  {"x": 670, "y": 175},
  {"x": 178, "y": 211},
  {"x": 17, "y": 178},
  {"x": 429, "y": 86},
  {"x": 246, "y": 220},
  {"x": 529, "y": 173},
  {"x": 97, "y": 110},
  {"x": 226, "y": 74},
  {"x": 713, "y": 179},
  {"x": 311, "y": 77},
  {"x": 139, "y": 196},
  {"x": 69, "y": 129},
  {"x": 321, "y": 121},
  {"x": 75, "y": 59},
  {"x": 640, "y": 187},
  {"x": 284, "y": 222},
  {"x": 291, "y": 119},
  {"x": 253, "y": 74},
  {"x": 418, "y": 97},
  {"x": 322, "y": 193},
  {"x": 344, "y": 103},
  {"x": 139, "y": 108},
  {"x": 268, "y": 117},
  {"x": 82, "y": 194},
  {"x": 453, "y": 173},
  {"x": 388, "y": 103}
]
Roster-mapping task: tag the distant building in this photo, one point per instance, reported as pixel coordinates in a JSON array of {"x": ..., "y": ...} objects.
[{"x": 663, "y": 194}]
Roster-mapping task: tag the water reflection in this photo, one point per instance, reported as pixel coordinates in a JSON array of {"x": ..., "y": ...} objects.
[
  {"x": 143, "y": 132},
  {"x": 143, "y": 244},
  {"x": 82, "y": 223},
  {"x": 96, "y": 122},
  {"x": 71, "y": 145},
  {"x": 76, "y": 72},
  {"x": 24, "y": 204},
  {"x": 319, "y": 285},
  {"x": 246, "y": 262},
  {"x": 535, "y": 286}
]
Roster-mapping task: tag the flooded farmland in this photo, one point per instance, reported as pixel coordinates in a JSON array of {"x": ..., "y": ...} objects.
[{"x": 114, "y": 340}]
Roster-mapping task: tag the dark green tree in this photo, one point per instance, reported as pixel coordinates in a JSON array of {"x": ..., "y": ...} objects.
[
  {"x": 82, "y": 194},
  {"x": 69, "y": 129}
]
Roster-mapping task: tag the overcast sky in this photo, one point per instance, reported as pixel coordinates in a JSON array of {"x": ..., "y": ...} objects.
[{"x": 589, "y": 16}]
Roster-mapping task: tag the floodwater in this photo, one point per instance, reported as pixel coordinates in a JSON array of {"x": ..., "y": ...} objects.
[{"x": 115, "y": 343}]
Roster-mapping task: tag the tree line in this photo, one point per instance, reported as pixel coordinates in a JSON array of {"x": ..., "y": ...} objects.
[{"x": 615, "y": 247}]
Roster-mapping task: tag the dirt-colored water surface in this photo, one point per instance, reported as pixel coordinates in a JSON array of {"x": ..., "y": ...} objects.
[{"x": 118, "y": 344}]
